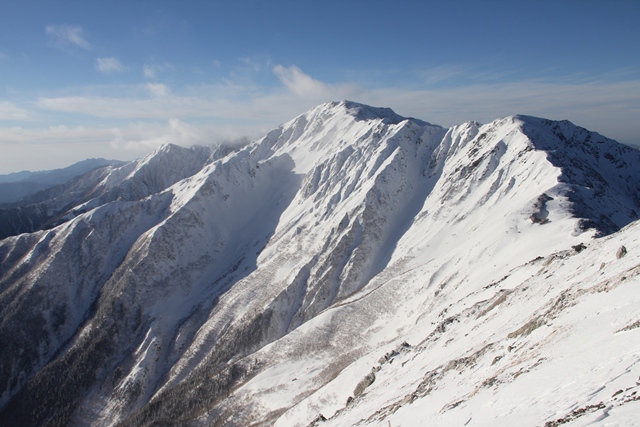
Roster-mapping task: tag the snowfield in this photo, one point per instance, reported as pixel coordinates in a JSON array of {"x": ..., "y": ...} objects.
[{"x": 352, "y": 267}]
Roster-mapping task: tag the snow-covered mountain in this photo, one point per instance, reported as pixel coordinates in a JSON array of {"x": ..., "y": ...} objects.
[
  {"x": 352, "y": 267},
  {"x": 117, "y": 181},
  {"x": 16, "y": 186}
]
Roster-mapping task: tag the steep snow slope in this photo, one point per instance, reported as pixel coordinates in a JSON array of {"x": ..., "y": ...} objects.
[
  {"x": 132, "y": 181},
  {"x": 555, "y": 340},
  {"x": 262, "y": 287},
  {"x": 19, "y": 185}
]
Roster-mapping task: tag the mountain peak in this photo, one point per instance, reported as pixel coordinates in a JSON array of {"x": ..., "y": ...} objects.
[
  {"x": 261, "y": 286},
  {"x": 363, "y": 112},
  {"x": 366, "y": 112}
]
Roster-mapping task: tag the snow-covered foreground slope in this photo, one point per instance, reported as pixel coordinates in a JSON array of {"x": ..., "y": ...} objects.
[
  {"x": 352, "y": 263},
  {"x": 554, "y": 340}
]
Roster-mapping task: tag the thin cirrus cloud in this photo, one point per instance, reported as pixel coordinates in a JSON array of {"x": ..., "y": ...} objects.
[
  {"x": 109, "y": 65},
  {"x": 25, "y": 148},
  {"x": 67, "y": 35},
  {"x": 151, "y": 71},
  {"x": 602, "y": 106},
  {"x": 141, "y": 135},
  {"x": 300, "y": 83},
  {"x": 11, "y": 112},
  {"x": 228, "y": 101},
  {"x": 153, "y": 114},
  {"x": 158, "y": 89}
]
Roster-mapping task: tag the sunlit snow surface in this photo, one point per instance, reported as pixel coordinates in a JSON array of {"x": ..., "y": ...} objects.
[{"x": 427, "y": 276}]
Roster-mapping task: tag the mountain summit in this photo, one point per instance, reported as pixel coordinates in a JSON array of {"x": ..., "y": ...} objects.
[{"x": 351, "y": 267}]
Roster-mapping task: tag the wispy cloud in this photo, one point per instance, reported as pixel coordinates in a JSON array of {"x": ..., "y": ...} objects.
[
  {"x": 462, "y": 74},
  {"x": 603, "y": 105},
  {"x": 300, "y": 83},
  {"x": 137, "y": 118},
  {"x": 109, "y": 65},
  {"x": 3, "y": 56},
  {"x": 144, "y": 135},
  {"x": 23, "y": 136},
  {"x": 158, "y": 90},
  {"x": 305, "y": 90},
  {"x": 67, "y": 35},
  {"x": 151, "y": 71},
  {"x": 245, "y": 102},
  {"x": 254, "y": 63},
  {"x": 57, "y": 146},
  {"x": 11, "y": 112}
]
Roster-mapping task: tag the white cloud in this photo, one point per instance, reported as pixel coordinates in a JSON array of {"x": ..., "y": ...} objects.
[
  {"x": 50, "y": 135},
  {"x": 53, "y": 147},
  {"x": 151, "y": 71},
  {"x": 610, "y": 108},
  {"x": 605, "y": 107},
  {"x": 64, "y": 35},
  {"x": 138, "y": 118},
  {"x": 300, "y": 83},
  {"x": 253, "y": 64},
  {"x": 109, "y": 65},
  {"x": 158, "y": 90},
  {"x": 131, "y": 108},
  {"x": 10, "y": 111},
  {"x": 148, "y": 136},
  {"x": 60, "y": 146},
  {"x": 3, "y": 56}
]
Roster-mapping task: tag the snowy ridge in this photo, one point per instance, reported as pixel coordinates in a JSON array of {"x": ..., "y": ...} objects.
[
  {"x": 21, "y": 185},
  {"x": 593, "y": 167},
  {"x": 131, "y": 181},
  {"x": 261, "y": 285}
]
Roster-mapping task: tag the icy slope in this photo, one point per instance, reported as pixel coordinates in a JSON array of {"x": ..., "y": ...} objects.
[{"x": 261, "y": 285}]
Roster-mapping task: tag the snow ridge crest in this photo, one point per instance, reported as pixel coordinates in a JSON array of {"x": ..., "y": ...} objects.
[{"x": 258, "y": 284}]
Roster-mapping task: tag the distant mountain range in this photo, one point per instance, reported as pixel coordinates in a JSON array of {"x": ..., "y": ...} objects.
[
  {"x": 16, "y": 186},
  {"x": 351, "y": 267}
]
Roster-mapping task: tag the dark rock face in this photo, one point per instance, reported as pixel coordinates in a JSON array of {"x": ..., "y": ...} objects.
[{"x": 598, "y": 175}]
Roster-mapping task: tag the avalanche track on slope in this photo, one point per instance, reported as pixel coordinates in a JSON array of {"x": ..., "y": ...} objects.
[{"x": 352, "y": 263}]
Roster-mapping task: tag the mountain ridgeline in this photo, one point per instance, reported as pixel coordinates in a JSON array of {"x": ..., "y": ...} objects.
[{"x": 257, "y": 285}]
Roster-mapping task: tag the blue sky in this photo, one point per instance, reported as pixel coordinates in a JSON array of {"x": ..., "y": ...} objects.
[{"x": 116, "y": 79}]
